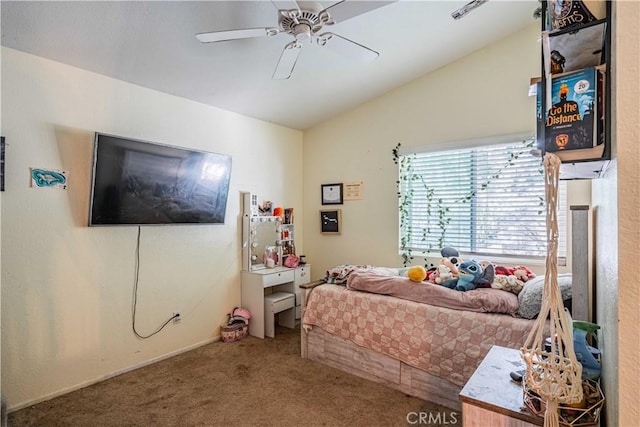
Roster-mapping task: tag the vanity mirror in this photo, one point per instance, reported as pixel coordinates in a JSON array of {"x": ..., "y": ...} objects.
[{"x": 261, "y": 236}]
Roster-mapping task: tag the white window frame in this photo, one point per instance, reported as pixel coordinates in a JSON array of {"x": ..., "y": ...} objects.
[{"x": 414, "y": 249}]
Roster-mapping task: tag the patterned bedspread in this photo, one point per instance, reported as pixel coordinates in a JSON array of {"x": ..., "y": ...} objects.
[{"x": 445, "y": 342}]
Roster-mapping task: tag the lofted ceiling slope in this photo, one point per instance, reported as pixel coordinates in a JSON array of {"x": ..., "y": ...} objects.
[{"x": 153, "y": 44}]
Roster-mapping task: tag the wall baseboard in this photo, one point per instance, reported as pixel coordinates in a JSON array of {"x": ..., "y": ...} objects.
[{"x": 88, "y": 383}]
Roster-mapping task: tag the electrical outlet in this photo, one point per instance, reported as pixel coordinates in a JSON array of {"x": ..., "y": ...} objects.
[{"x": 177, "y": 317}]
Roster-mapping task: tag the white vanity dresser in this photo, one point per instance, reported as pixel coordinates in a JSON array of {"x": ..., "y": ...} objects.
[
  {"x": 260, "y": 232},
  {"x": 256, "y": 284}
]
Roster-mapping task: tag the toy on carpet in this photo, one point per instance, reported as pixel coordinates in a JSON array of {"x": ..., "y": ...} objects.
[
  {"x": 417, "y": 273},
  {"x": 471, "y": 275}
]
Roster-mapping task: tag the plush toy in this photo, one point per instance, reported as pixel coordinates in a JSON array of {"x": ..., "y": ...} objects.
[
  {"x": 505, "y": 271},
  {"x": 520, "y": 272},
  {"x": 453, "y": 268},
  {"x": 417, "y": 273},
  {"x": 471, "y": 275},
  {"x": 448, "y": 252},
  {"x": 451, "y": 254},
  {"x": 507, "y": 283},
  {"x": 523, "y": 273},
  {"x": 444, "y": 274},
  {"x": 432, "y": 274},
  {"x": 447, "y": 268}
]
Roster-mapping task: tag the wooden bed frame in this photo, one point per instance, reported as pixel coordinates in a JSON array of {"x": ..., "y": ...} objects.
[
  {"x": 323, "y": 347},
  {"x": 342, "y": 354}
]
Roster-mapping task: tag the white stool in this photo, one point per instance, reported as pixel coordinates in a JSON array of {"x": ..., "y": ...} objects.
[{"x": 283, "y": 303}]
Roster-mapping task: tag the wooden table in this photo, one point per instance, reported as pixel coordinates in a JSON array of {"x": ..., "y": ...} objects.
[{"x": 492, "y": 398}]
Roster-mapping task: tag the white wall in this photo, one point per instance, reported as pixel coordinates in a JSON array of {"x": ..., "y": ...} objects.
[
  {"x": 481, "y": 95},
  {"x": 67, "y": 288}
]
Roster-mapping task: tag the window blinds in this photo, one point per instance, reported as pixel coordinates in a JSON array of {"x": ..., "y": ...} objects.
[{"x": 486, "y": 200}]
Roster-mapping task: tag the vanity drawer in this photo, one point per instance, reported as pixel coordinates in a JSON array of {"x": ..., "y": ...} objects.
[
  {"x": 303, "y": 275},
  {"x": 277, "y": 278}
]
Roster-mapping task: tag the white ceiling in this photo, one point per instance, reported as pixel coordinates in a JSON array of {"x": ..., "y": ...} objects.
[{"x": 153, "y": 44}]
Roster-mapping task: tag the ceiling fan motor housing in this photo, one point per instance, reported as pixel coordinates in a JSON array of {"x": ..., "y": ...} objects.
[{"x": 302, "y": 24}]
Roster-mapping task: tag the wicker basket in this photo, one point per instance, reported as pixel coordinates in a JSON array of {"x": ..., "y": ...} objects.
[
  {"x": 568, "y": 415},
  {"x": 234, "y": 331}
]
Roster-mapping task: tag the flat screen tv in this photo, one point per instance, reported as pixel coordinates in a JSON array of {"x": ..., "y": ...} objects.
[{"x": 138, "y": 183}]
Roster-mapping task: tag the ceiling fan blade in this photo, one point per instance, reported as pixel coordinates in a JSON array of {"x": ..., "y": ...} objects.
[
  {"x": 287, "y": 61},
  {"x": 348, "y": 9},
  {"x": 285, "y": 4},
  {"x": 221, "y": 36},
  {"x": 347, "y": 47}
]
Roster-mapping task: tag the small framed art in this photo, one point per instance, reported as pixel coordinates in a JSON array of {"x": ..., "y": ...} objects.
[
  {"x": 331, "y": 221},
  {"x": 332, "y": 194}
]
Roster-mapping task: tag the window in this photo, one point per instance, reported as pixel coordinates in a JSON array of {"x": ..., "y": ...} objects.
[{"x": 487, "y": 201}]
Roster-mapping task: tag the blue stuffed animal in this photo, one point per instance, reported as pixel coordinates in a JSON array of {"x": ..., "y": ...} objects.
[{"x": 471, "y": 276}]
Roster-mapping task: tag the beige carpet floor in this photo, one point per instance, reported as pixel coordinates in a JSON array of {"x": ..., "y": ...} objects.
[{"x": 251, "y": 382}]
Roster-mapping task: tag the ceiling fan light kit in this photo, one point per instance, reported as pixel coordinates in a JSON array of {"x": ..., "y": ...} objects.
[{"x": 304, "y": 24}]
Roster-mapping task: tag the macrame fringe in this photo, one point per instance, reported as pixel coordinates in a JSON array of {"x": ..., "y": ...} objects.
[
  {"x": 551, "y": 418},
  {"x": 552, "y": 370}
]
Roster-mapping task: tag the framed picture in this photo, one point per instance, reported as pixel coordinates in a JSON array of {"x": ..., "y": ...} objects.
[
  {"x": 331, "y": 194},
  {"x": 330, "y": 221}
]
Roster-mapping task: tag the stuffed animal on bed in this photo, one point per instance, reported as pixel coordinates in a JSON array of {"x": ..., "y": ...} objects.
[
  {"x": 451, "y": 255},
  {"x": 417, "y": 273},
  {"x": 507, "y": 283},
  {"x": 471, "y": 275},
  {"x": 523, "y": 273},
  {"x": 444, "y": 274},
  {"x": 445, "y": 271}
]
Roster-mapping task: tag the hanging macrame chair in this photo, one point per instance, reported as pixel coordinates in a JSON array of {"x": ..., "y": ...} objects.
[{"x": 552, "y": 370}]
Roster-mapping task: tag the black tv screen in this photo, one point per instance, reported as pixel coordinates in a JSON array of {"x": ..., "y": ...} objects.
[{"x": 137, "y": 182}]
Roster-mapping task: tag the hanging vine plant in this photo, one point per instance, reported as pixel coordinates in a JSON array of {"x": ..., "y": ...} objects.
[{"x": 434, "y": 205}]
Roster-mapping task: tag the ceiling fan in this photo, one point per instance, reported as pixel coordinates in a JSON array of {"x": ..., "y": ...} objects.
[{"x": 305, "y": 21}]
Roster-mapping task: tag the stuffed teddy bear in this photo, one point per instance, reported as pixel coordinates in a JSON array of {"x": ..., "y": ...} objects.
[
  {"x": 523, "y": 273},
  {"x": 471, "y": 275}
]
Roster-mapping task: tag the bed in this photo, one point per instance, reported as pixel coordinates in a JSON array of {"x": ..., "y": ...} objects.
[{"x": 422, "y": 339}]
